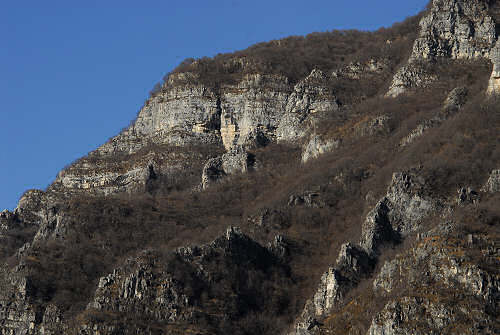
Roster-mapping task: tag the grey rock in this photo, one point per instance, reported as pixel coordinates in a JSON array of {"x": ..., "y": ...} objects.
[
  {"x": 411, "y": 76},
  {"x": 212, "y": 172},
  {"x": 233, "y": 162},
  {"x": 459, "y": 29},
  {"x": 456, "y": 29},
  {"x": 373, "y": 126},
  {"x": 437, "y": 261},
  {"x": 7, "y": 220},
  {"x": 398, "y": 213},
  {"x": 279, "y": 247},
  {"x": 17, "y": 313},
  {"x": 330, "y": 292},
  {"x": 357, "y": 70},
  {"x": 317, "y": 146},
  {"x": 253, "y": 109},
  {"x": 377, "y": 229},
  {"x": 32, "y": 206},
  {"x": 354, "y": 263},
  {"x": 180, "y": 109},
  {"x": 310, "y": 96},
  {"x": 493, "y": 183},
  {"x": 410, "y": 201},
  {"x": 394, "y": 216},
  {"x": 494, "y": 82},
  {"x": 252, "y": 113},
  {"x": 145, "y": 286}
]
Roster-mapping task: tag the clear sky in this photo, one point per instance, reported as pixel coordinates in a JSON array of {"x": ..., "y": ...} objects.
[{"x": 74, "y": 73}]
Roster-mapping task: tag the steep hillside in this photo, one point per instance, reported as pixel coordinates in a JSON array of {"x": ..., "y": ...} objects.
[{"x": 339, "y": 183}]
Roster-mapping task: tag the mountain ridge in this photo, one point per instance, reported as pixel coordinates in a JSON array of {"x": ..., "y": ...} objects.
[{"x": 361, "y": 198}]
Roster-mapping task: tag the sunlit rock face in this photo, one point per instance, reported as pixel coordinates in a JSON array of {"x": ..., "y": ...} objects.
[
  {"x": 252, "y": 110},
  {"x": 454, "y": 29},
  {"x": 259, "y": 110},
  {"x": 494, "y": 83}
]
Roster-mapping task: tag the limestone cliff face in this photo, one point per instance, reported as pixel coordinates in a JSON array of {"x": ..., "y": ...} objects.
[
  {"x": 310, "y": 96},
  {"x": 254, "y": 112},
  {"x": 456, "y": 29}
]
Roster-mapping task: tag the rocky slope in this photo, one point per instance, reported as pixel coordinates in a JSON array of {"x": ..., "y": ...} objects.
[{"x": 357, "y": 195}]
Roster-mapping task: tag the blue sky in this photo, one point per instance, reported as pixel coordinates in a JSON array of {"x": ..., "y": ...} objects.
[{"x": 74, "y": 73}]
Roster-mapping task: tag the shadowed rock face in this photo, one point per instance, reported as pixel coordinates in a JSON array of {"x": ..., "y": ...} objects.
[
  {"x": 145, "y": 286},
  {"x": 395, "y": 215}
]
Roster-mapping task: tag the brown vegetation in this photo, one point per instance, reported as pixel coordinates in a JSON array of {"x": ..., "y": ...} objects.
[{"x": 103, "y": 231}]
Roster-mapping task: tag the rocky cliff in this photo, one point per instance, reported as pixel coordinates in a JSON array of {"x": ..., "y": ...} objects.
[
  {"x": 451, "y": 29},
  {"x": 349, "y": 192}
]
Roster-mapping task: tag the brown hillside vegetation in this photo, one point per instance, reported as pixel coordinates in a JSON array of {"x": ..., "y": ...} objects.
[
  {"x": 294, "y": 217},
  {"x": 104, "y": 231}
]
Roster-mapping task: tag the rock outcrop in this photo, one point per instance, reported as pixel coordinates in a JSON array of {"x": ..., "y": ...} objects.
[
  {"x": 252, "y": 113},
  {"x": 455, "y": 29},
  {"x": 232, "y": 162},
  {"x": 170, "y": 291},
  {"x": 493, "y": 183},
  {"x": 358, "y": 70},
  {"x": 439, "y": 260},
  {"x": 311, "y": 199},
  {"x": 316, "y": 146},
  {"x": 397, "y": 214},
  {"x": 494, "y": 83},
  {"x": 19, "y": 314},
  {"x": 400, "y": 212},
  {"x": 310, "y": 96}
]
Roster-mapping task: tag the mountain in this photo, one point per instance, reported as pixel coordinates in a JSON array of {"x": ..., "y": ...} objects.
[{"x": 340, "y": 183}]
